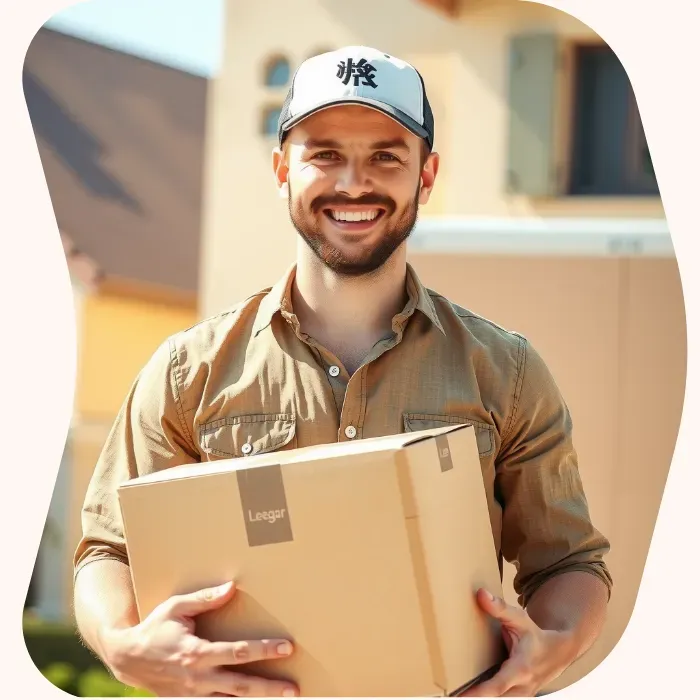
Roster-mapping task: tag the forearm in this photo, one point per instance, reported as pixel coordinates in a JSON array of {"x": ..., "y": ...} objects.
[
  {"x": 574, "y": 603},
  {"x": 104, "y": 602}
]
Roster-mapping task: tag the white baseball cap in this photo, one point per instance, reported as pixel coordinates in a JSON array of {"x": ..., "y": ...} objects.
[{"x": 359, "y": 75}]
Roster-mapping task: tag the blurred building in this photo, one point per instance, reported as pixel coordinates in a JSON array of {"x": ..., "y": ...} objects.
[
  {"x": 546, "y": 218},
  {"x": 121, "y": 144}
]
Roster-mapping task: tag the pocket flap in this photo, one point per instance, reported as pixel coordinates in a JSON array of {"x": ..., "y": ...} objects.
[
  {"x": 414, "y": 422},
  {"x": 243, "y": 436}
]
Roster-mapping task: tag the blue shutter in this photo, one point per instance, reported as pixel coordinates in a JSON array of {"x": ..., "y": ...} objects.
[{"x": 533, "y": 64}]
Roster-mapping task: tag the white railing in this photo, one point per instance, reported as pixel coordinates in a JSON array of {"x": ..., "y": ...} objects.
[{"x": 536, "y": 236}]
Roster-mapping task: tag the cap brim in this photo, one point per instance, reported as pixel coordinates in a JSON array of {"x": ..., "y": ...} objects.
[{"x": 396, "y": 114}]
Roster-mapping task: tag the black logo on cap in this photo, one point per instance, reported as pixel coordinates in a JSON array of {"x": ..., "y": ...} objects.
[{"x": 349, "y": 70}]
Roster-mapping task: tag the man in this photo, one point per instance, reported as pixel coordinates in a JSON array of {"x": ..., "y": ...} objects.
[{"x": 348, "y": 345}]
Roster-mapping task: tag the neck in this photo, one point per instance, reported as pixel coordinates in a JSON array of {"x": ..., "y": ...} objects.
[{"x": 341, "y": 310}]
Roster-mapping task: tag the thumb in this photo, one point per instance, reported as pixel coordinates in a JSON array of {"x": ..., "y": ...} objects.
[
  {"x": 191, "y": 604},
  {"x": 509, "y": 616}
]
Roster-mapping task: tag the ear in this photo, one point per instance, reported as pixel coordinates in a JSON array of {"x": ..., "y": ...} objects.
[
  {"x": 428, "y": 176},
  {"x": 280, "y": 168}
]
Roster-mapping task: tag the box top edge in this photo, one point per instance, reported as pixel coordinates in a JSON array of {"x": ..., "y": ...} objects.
[{"x": 335, "y": 450}]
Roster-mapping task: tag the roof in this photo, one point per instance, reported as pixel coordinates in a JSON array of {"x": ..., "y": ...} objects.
[{"x": 121, "y": 140}]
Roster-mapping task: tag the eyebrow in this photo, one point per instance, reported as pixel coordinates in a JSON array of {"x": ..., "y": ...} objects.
[
  {"x": 311, "y": 144},
  {"x": 397, "y": 143}
]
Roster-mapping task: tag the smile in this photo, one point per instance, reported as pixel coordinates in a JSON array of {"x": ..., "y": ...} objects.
[
  {"x": 368, "y": 215},
  {"x": 359, "y": 221}
]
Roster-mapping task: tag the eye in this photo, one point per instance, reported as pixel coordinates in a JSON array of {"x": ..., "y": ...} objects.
[
  {"x": 388, "y": 157},
  {"x": 325, "y": 155}
]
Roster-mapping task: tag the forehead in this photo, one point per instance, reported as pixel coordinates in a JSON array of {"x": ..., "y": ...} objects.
[{"x": 349, "y": 124}]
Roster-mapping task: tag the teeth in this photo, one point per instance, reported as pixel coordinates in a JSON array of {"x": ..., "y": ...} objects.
[{"x": 355, "y": 215}]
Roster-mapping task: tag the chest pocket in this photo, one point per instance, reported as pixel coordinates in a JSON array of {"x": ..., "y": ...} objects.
[
  {"x": 485, "y": 433},
  {"x": 244, "y": 436}
]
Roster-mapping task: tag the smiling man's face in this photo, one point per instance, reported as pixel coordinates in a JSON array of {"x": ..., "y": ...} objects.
[{"x": 354, "y": 179}]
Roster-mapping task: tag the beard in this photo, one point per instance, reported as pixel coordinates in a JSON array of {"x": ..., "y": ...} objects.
[{"x": 366, "y": 261}]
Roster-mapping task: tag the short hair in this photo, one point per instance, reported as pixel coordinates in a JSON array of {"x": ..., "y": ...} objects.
[{"x": 425, "y": 152}]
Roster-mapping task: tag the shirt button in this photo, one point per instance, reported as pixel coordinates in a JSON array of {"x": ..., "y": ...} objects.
[
  {"x": 247, "y": 448},
  {"x": 334, "y": 371},
  {"x": 350, "y": 431}
]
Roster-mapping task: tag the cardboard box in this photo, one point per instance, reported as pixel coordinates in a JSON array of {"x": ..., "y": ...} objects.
[{"x": 366, "y": 554}]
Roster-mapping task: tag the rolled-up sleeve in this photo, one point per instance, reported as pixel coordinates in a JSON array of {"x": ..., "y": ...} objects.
[
  {"x": 547, "y": 529},
  {"x": 150, "y": 433}
]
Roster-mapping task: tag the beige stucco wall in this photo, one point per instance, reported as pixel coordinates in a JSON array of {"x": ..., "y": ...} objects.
[
  {"x": 248, "y": 239},
  {"x": 613, "y": 333},
  {"x": 106, "y": 367},
  {"x": 612, "y": 330}
]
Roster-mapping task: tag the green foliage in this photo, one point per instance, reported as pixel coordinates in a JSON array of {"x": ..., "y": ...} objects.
[
  {"x": 50, "y": 643},
  {"x": 95, "y": 683},
  {"x": 60, "y": 674},
  {"x": 66, "y": 663}
]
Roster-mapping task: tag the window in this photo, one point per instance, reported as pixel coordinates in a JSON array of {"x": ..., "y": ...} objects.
[
  {"x": 596, "y": 146},
  {"x": 278, "y": 72},
  {"x": 270, "y": 120},
  {"x": 610, "y": 155}
]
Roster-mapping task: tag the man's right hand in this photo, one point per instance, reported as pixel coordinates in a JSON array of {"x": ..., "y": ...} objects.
[{"x": 162, "y": 654}]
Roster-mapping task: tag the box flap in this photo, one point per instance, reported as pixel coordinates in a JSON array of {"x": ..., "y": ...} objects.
[
  {"x": 420, "y": 435},
  {"x": 199, "y": 469},
  {"x": 331, "y": 450}
]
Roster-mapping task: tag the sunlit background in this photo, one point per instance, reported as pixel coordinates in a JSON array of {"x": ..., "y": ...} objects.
[{"x": 155, "y": 120}]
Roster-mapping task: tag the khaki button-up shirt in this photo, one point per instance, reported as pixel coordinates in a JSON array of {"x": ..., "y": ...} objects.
[{"x": 249, "y": 380}]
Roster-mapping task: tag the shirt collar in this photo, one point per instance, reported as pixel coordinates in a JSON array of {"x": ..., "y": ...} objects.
[
  {"x": 278, "y": 299},
  {"x": 423, "y": 300}
]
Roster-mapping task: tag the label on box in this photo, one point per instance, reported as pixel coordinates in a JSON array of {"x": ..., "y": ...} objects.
[
  {"x": 443, "y": 448},
  {"x": 264, "y": 505}
]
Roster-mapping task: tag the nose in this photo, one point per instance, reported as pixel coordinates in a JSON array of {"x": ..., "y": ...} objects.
[{"x": 353, "y": 181}]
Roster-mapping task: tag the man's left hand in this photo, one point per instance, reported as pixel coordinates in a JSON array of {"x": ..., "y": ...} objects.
[{"x": 535, "y": 656}]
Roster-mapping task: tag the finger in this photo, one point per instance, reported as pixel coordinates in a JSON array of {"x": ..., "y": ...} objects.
[
  {"x": 190, "y": 604},
  {"x": 231, "y": 653},
  {"x": 509, "y": 615},
  {"x": 519, "y": 692},
  {"x": 507, "y": 678},
  {"x": 243, "y": 686}
]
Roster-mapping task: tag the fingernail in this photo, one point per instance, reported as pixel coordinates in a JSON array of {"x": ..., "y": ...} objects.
[
  {"x": 289, "y": 693},
  {"x": 285, "y": 648},
  {"x": 489, "y": 595}
]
